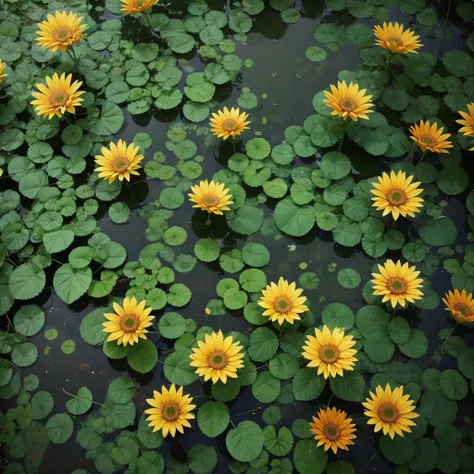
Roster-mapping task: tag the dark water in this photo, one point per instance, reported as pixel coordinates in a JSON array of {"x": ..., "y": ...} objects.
[{"x": 280, "y": 70}]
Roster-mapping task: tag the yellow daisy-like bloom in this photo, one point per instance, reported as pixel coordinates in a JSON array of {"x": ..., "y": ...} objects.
[
  {"x": 330, "y": 351},
  {"x": 397, "y": 283},
  {"x": 283, "y": 302},
  {"x": 348, "y": 101},
  {"x": 170, "y": 411},
  {"x": 333, "y": 429},
  {"x": 461, "y": 305},
  {"x": 60, "y": 31},
  {"x": 118, "y": 161},
  {"x": 393, "y": 37},
  {"x": 211, "y": 197},
  {"x": 468, "y": 122},
  {"x": 397, "y": 194},
  {"x": 229, "y": 123},
  {"x": 2, "y": 69},
  {"x": 58, "y": 96},
  {"x": 217, "y": 358},
  {"x": 129, "y": 7},
  {"x": 128, "y": 323},
  {"x": 430, "y": 138},
  {"x": 390, "y": 411}
]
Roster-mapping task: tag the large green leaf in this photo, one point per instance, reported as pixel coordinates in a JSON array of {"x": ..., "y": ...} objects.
[{"x": 71, "y": 283}]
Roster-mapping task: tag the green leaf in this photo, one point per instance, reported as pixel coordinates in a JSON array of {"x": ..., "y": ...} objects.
[
  {"x": 308, "y": 458},
  {"x": 58, "y": 240},
  {"x": 207, "y": 250},
  {"x": 143, "y": 356},
  {"x": 172, "y": 325},
  {"x": 25, "y": 354},
  {"x": 337, "y": 315},
  {"x": 416, "y": 346},
  {"x": 59, "y": 428},
  {"x": 119, "y": 213},
  {"x": 247, "y": 220},
  {"x": 349, "y": 387},
  {"x": 307, "y": 385},
  {"x": 41, "y": 405},
  {"x": 121, "y": 390},
  {"x": 257, "y": 148},
  {"x": 177, "y": 369},
  {"x": 179, "y": 295},
  {"x": 202, "y": 459},
  {"x": 213, "y": 418},
  {"x": 91, "y": 327},
  {"x": 71, "y": 283},
  {"x": 335, "y": 165},
  {"x": 284, "y": 366},
  {"x": 263, "y": 344},
  {"x": 278, "y": 444},
  {"x": 292, "y": 219},
  {"x": 27, "y": 281},
  {"x": 81, "y": 402},
  {"x": 266, "y": 387},
  {"x": 125, "y": 451},
  {"x": 398, "y": 450},
  {"x": 349, "y": 278},
  {"x": 29, "y": 320},
  {"x": 453, "y": 385},
  {"x": 245, "y": 442}
]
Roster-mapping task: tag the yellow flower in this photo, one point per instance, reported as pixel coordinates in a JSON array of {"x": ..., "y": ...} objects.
[
  {"x": 397, "y": 194},
  {"x": 217, "y": 358},
  {"x": 58, "y": 96},
  {"x": 129, "y": 7},
  {"x": 283, "y": 302},
  {"x": 60, "y": 31},
  {"x": 211, "y": 197},
  {"x": 118, "y": 161},
  {"x": 348, "y": 101},
  {"x": 2, "y": 68},
  {"x": 170, "y": 411},
  {"x": 330, "y": 351},
  {"x": 397, "y": 283},
  {"x": 391, "y": 36},
  {"x": 229, "y": 123},
  {"x": 468, "y": 122},
  {"x": 430, "y": 137},
  {"x": 333, "y": 429},
  {"x": 128, "y": 323},
  {"x": 461, "y": 305},
  {"x": 390, "y": 411}
]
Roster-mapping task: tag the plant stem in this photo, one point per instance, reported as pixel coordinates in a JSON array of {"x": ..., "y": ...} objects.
[
  {"x": 208, "y": 220},
  {"x": 342, "y": 138},
  {"x": 449, "y": 335},
  {"x": 370, "y": 460},
  {"x": 245, "y": 412},
  {"x": 422, "y": 156},
  {"x": 449, "y": 9}
]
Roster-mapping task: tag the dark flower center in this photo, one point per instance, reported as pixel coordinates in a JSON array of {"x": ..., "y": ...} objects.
[
  {"x": 396, "y": 197},
  {"x": 347, "y": 105},
  {"x": 170, "y": 411},
  {"x": 463, "y": 308},
  {"x": 59, "y": 99},
  {"x": 388, "y": 412},
  {"x": 282, "y": 304},
  {"x": 120, "y": 164},
  {"x": 210, "y": 200},
  {"x": 129, "y": 323},
  {"x": 62, "y": 34},
  {"x": 217, "y": 360},
  {"x": 397, "y": 285},
  {"x": 428, "y": 139},
  {"x": 396, "y": 40},
  {"x": 329, "y": 353},
  {"x": 331, "y": 431},
  {"x": 230, "y": 125}
]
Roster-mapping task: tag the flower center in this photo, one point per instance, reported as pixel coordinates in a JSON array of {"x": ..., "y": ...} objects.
[
  {"x": 396, "y": 40},
  {"x": 129, "y": 323},
  {"x": 282, "y": 304},
  {"x": 210, "y": 200},
  {"x": 388, "y": 413},
  {"x": 230, "y": 125},
  {"x": 428, "y": 139},
  {"x": 463, "y": 308},
  {"x": 396, "y": 197},
  {"x": 329, "y": 354},
  {"x": 120, "y": 164},
  {"x": 59, "y": 99},
  {"x": 331, "y": 431},
  {"x": 397, "y": 285},
  {"x": 62, "y": 34},
  {"x": 170, "y": 411},
  {"x": 217, "y": 359},
  {"x": 347, "y": 104}
]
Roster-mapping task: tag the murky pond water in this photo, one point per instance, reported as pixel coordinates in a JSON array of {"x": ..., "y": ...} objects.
[{"x": 71, "y": 244}]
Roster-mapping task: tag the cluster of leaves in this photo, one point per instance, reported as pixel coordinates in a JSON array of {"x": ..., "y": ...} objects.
[{"x": 53, "y": 207}]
